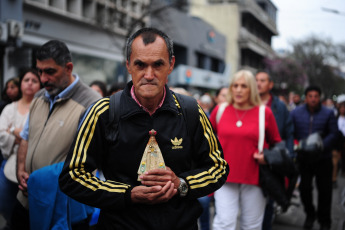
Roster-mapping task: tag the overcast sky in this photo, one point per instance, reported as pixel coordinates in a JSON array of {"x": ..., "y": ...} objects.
[{"x": 297, "y": 19}]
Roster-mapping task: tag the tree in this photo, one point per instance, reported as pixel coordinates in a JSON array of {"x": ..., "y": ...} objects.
[
  {"x": 286, "y": 74},
  {"x": 321, "y": 59},
  {"x": 313, "y": 61}
]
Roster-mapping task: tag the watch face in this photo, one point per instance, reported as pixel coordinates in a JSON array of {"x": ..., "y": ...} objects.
[{"x": 184, "y": 187}]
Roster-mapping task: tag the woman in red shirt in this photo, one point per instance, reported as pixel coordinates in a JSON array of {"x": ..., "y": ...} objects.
[{"x": 238, "y": 133}]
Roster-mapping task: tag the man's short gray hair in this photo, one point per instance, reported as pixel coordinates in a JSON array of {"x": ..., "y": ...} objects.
[{"x": 149, "y": 36}]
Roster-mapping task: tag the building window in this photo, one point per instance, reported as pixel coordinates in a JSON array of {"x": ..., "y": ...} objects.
[
  {"x": 91, "y": 68},
  {"x": 180, "y": 54},
  {"x": 210, "y": 63}
]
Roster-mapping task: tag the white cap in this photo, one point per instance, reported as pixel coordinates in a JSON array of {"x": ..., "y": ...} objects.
[
  {"x": 341, "y": 98},
  {"x": 206, "y": 99}
]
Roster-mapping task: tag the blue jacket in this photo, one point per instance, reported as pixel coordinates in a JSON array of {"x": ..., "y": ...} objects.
[
  {"x": 50, "y": 208},
  {"x": 284, "y": 122},
  {"x": 322, "y": 120}
]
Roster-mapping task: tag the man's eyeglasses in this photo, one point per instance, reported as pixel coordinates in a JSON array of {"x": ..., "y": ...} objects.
[{"x": 48, "y": 71}]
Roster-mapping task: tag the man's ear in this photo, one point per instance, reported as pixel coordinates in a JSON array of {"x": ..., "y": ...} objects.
[
  {"x": 69, "y": 67},
  {"x": 127, "y": 66},
  {"x": 172, "y": 63},
  {"x": 271, "y": 85}
]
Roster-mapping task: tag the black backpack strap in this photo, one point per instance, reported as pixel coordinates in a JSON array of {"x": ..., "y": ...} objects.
[
  {"x": 114, "y": 116},
  {"x": 114, "y": 105},
  {"x": 190, "y": 111}
]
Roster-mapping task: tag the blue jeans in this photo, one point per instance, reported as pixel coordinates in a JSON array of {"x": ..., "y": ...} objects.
[
  {"x": 205, "y": 216},
  {"x": 8, "y": 194}
]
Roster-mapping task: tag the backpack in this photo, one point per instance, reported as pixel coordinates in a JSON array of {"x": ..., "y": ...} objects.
[{"x": 188, "y": 108}]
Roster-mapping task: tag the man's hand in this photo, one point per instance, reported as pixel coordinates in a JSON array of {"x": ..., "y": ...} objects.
[
  {"x": 153, "y": 195},
  {"x": 22, "y": 177},
  {"x": 160, "y": 177},
  {"x": 161, "y": 186}
]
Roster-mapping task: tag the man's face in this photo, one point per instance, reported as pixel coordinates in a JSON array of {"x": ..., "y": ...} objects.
[
  {"x": 312, "y": 99},
  {"x": 54, "y": 78},
  {"x": 296, "y": 98},
  {"x": 263, "y": 82},
  {"x": 149, "y": 66}
]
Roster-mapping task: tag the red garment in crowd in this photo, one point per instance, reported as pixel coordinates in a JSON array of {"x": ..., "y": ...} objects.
[{"x": 240, "y": 143}]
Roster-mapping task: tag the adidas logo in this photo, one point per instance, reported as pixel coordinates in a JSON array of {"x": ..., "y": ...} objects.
[{"x": 177, "y": 143}]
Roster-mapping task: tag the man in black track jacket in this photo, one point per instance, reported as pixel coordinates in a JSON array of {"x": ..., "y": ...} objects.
[{"x": 164, "y": 198}]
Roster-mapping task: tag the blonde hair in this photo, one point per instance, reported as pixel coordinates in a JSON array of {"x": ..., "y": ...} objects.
[{"x": 254, "y": 97}]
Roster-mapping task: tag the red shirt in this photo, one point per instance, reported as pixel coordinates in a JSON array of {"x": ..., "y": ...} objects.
[{"x": 240, "y": 143}]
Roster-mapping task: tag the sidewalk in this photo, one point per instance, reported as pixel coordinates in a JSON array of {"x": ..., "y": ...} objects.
[{"x": 294, "y": 218}]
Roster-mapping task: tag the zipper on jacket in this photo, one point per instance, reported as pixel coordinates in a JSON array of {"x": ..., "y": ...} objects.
[
  {"x": 311, "y": 124},
  {"x": 50, "y": 113}
]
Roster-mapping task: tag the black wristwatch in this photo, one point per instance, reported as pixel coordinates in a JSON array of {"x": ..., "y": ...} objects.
[{"x": 182, "y": 188}]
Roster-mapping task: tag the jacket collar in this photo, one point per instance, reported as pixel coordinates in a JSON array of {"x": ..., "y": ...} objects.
[
  {"x": 129, "y": 107},
  {"x": 66, "y": 93}
]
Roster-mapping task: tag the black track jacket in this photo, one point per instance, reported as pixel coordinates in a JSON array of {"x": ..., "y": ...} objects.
[{"x": 198, "y": 159}]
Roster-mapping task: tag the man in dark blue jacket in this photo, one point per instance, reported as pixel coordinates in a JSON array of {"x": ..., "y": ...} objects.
[
  {"x": 285, "y": 126},
  {"x": 310, "y": 118}
]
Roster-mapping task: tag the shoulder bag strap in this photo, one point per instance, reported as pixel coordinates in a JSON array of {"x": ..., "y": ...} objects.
[
  {"x": 261, "y": 128},
  {"x": 220, "y": 111}
]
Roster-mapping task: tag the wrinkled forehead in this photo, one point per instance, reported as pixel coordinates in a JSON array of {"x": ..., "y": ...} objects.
[{"x": 156, "y": 48}]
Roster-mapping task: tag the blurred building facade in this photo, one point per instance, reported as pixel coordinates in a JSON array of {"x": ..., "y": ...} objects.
[
  {"x": 95, "y": 31},
  {"x": 249, "y": 26},
  {"x": 209, "y": 35},
  {"x": 200, "y": 49}
]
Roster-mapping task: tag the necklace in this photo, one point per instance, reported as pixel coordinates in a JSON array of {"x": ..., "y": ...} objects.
[{"x": 239, "y": 122}]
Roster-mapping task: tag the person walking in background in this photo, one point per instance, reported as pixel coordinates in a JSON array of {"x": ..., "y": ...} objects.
[
  {"x": 312, "y": 117},
  {"x": 238, "y": 131},
  {"x": 220, "y": 97},
  {"x": 193, "y": 166},
  {"x": 285, "y": 126},
  {"x": 206, "y": 103},
  {"x": 100, "y": 87},
  {"x": 10, "y": 93},
  {"x": 294, "y": 100},
  {"x": 338, "y": 154},
  {"x": 12, "y": 120},
  {"x": 52, "y": 123}
]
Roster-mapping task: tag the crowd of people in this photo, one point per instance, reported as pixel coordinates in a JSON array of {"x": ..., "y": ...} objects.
[{"x": 142, "y": 155}]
